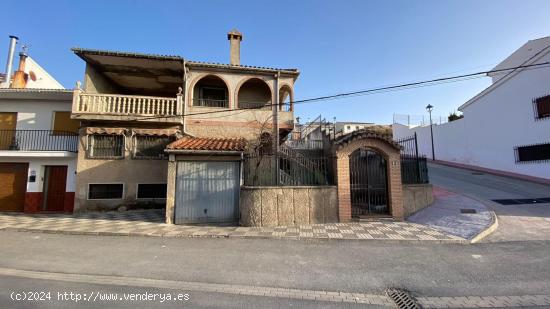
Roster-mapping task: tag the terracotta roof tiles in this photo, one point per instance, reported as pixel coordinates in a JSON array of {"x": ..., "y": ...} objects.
[
  {"x": 365, "y": 133},
  {"x": 208, "y": 144}
]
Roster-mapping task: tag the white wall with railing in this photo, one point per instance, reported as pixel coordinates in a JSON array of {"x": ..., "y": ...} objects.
[{"x": 492, "y": 127}]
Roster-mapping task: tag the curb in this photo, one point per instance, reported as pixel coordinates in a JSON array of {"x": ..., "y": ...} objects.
[
  {"x": 491, "y": 228},
  {"x": 321, "y": 239},
  {"x": 488, "y": 231},
  {"x": 499, "y": 173}
]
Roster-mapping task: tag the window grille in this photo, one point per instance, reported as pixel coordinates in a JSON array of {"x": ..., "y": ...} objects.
[{"x": 105, "y": 147}]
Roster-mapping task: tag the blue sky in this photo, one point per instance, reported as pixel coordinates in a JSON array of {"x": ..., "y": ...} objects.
[{"x": 338, "y": 46}]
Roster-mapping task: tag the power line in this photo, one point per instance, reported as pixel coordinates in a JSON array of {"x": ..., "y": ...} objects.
[
  {"x": 427, "y": 83},
  {"x": 384, "y": 89}
]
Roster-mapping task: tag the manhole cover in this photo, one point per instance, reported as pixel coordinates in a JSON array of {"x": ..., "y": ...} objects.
[
  {"x": 468, "y": 211},
  {"x": 402, "y": 299}
]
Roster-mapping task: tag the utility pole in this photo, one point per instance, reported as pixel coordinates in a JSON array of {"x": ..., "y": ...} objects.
[{"x": 430, "y": 108}]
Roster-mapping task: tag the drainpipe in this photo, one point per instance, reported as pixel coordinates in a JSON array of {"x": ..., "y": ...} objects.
[{"x": 9, "y": 63}]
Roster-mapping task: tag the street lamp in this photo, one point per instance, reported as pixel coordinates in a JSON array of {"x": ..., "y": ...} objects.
[{"x": 429, "y": 108}]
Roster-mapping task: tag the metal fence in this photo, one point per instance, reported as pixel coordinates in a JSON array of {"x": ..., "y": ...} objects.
[
  {"x": 38, "y": 140},
  {"x": 414, "y": 168},
  {"x": 418, "y": 120},
  {"x": 285, "y": 169},
  {"x": 210, "y": 103}
]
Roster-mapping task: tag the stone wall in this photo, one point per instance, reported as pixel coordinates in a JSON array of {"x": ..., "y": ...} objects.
[
  {"x": 284, "y": 206},
  {"x": 416, "y": 197}
]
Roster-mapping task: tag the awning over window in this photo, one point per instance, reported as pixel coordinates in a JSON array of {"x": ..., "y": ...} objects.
[
  {"x": 111, "y": 131},
  {"x": 120, "y": 131},
  {"x": 156, "y": 132}
]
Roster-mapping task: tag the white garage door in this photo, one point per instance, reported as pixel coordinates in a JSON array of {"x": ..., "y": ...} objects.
[{"x": 207, "y": 191}]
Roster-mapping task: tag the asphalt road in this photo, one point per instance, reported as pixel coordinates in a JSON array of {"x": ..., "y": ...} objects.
[
  {"x": 514, "y": 261},
  {"x": 61, "y": 297},
  {"x": 516, "y": 222},
  {"x": 492, "y": 269}
]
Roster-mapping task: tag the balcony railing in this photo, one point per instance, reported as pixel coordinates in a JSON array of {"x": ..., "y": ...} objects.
[
  {"x": 210, "y": 103},
  {"x": 118, "y": 104},
  {"x": 255, "y": 105},
  {"x": 38, "y": 140},
  {"x": 305, "y": 144}
]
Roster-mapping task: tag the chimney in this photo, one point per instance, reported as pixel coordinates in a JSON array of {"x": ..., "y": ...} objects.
[
  {"x": 9, "y": 64},
  {"x": 20, "y": 77},
  {"x": 235, "y": 38}
]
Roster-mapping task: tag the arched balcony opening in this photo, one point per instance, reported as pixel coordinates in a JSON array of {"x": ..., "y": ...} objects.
[
  {"x": 211, "y": 91},
  {"x": 254, "y": 93},
  {"x": 286, "y": 99}
]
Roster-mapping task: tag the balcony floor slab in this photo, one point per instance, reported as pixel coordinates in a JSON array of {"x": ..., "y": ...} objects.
[{"x": 41, "y": 154}]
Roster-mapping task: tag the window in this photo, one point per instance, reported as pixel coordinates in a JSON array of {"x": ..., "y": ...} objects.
[
  {"x": 151, "y": 147},
  {"x": 542, "y": 107},
  {"x": 105, "y": 147},
  {"x": 533, "y": 153},
  {"x": 8, "y": 123},
  {"x": 151, "y": 191},
  {"x": 62, "y": 122},
  {"x": 105, "y": 191}
]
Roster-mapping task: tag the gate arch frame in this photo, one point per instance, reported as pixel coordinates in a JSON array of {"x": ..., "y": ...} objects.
[{"x": 345, "y": 146}]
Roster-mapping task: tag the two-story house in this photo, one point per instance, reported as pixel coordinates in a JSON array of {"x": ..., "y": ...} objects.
[
  {"x": 159, "y": 129},
  {"x": 38, "y": 142}
]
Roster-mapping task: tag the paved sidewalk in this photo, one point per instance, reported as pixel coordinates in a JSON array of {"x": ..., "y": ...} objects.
[
  {"x": 148, "y": 223},
  {"x": 445, "y": 214}
]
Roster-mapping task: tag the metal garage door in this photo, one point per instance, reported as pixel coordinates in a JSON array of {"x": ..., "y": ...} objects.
[
  {"x": 207, "y": 191},
  {"x": 13, "y": 185}
]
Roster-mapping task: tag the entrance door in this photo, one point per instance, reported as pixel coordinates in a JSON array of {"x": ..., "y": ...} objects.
[
  {"x": 55, "y": 182},
  {"x": 207, "y": 191},
  {"x": 368, "y": 183},
  {"x": 13, "y": 186},
  {"x": 8, "y": 123}
]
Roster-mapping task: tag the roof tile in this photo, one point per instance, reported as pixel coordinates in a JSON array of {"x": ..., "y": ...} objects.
[{"x": 208, "y": 144}]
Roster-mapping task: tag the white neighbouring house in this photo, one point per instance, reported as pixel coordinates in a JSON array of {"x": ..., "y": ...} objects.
[
  {"x": 506, "y": 127},
  {"x": 38, "y": 142}
]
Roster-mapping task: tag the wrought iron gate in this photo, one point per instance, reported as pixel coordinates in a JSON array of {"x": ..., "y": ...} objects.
[{"x": 368, "y": 183}]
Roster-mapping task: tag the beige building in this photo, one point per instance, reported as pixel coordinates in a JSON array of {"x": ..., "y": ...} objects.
[{"x": 132, "y": 106}]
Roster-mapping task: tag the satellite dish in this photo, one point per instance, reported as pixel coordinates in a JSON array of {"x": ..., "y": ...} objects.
[{"x": 32, "y": 75}]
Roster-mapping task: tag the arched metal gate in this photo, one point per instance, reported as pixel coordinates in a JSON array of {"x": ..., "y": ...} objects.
[{"x": 368, "y": 183}]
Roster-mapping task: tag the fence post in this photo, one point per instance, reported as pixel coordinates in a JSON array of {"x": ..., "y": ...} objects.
[{"x": 416, "y": 157}]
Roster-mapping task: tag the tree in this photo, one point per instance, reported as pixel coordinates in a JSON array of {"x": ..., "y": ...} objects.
[{"x": 454, "y": 116}]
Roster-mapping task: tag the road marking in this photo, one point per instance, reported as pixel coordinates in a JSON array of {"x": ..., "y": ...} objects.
[{"x": 315, "y": 295}]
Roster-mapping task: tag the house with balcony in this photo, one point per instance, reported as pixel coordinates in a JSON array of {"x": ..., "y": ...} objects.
[
  {"x": 164, "y": 130},
  {"x": 38, "y": 142}
]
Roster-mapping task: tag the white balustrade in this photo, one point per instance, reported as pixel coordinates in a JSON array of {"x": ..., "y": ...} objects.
[{"x": 117, "y": 104}]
